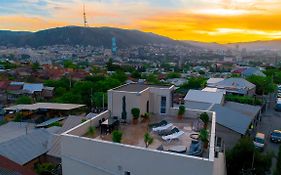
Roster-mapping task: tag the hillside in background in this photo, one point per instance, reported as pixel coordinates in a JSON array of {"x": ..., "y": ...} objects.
[
  {"x": 255, "y": 45},
  {"x": 83, "y": 36},
  {"x": 258, "y": 45}
]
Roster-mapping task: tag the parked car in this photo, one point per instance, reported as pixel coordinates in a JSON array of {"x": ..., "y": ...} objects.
[
  {"x": 278, "y": 104},
  {"x": 259, "y": 141},
  {"x": 275, "y": 136}
]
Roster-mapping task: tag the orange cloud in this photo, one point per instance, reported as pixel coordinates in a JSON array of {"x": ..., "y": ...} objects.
[
  {"x": 206, "y": 20},
  {"x": 210, "y": 28}
]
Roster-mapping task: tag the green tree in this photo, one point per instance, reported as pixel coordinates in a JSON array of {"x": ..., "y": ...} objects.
[
  {"x": 173, "y": 75},
  {"x": 151, "y": 78},
  {"x": 278, "y": 163},
  {"x": 24, "y": 100},
  {"x": 35, "y": 66},
  {"x": 148, "y": 139},
  {"x": 195, "y": 83},
  {"x": 264, "y": 85},
  {"x": 69, "y": 97},
  {"x": 244, "y": 157},
  {"x": 69, "y": 64},
  {"x": 98, "y": 99},
  {"x": 136, "y": 74},
  {"x": 120, "y": 76},
  {"x": 44, "y": 168}
]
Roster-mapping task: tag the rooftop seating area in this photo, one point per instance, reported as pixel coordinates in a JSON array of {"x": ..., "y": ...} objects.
[{"x": 169, "y": 134}]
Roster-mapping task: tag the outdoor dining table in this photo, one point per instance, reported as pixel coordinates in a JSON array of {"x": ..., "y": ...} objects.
[{"x": 109, "y": 125}]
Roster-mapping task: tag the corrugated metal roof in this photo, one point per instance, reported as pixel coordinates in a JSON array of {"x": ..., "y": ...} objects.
[
  {"x": 253, "y": 71},
  {"x": 33, "y": 87},
  {"x": 70, "y": 122},
  {"x": 50, "y": 121},
  {"x": 26, "y": 147},
  {"x": 235, "y": 82},
  {"x": 232, "y": 119},
  {"x": 248, "y": 110},
  {"x": 51, "y": 106},
  {"x": 55, "y": 149},
  {"x": 12, "y": 130},
  {"x": 204, "y": 96},
  {"x": 197, "y": 105},
  {"x": 214, "y": 80}
]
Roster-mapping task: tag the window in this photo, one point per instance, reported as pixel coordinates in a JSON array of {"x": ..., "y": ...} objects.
[
  {"x": 147, "y": 106},
  {"x": 163, "y": 105}
]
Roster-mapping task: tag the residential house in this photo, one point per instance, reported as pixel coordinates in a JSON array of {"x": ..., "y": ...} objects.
[
  {"x": 9, "y": 167},
  {"x": 252, "y": 71},
  {"x": 238, "y": 86},
  {"x": 28, "y": 149},
  {"x": 234, "y": 120}
]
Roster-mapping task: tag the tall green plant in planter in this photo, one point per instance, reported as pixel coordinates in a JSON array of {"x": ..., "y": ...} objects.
[
  {"x": 136, "y": 114},
  {"x": 117, "y": 136},
  {"x": 148, "y": 140},
  {"x": 124, "y": 113},
  {"x": 205, "y": 118},
  {"x": 204, "y": 137},
  {"x": 181, "y": 112}
]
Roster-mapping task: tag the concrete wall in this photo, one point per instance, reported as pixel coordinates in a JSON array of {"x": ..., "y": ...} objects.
[
  {"x": 189, "y": 113},
  {"x": 139, "y": 100},
  {"x": 155, "y": 98},
  {"x": 229, "y": 137},
  {"x": 93, "y": 157},
  {"x": 115, "y": 102},
  {"x": 81, "y": 129}
]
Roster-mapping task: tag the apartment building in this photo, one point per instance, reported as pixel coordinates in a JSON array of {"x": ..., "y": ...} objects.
[{"x": 87, "y": 154}]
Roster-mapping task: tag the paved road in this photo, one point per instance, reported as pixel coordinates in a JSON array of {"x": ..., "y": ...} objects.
[{"x": 270, "y": 120}]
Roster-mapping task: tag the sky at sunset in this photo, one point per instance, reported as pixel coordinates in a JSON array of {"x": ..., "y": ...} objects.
[{"x": 220, "y": 21}]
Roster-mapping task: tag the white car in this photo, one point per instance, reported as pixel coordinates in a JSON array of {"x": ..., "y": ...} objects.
[{"x": 259, "y": 141}]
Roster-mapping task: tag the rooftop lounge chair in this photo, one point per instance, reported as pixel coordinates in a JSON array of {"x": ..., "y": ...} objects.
[
  {"x": 173, "y": 136},
  {"x": 196, "y": 148},
  {"x": 162, "y": 128},
  {"x": 155, "y": 125},
  {"x": 168, "y": 132}
]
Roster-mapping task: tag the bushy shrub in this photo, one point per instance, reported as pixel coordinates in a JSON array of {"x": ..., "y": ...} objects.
[
  {"x": 117, "y": 136},
  {"x": 135, "y": 112}
]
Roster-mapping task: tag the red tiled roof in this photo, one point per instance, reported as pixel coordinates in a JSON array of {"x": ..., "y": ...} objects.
[
  {"x": 4, "y": 84},
  {"x": 239, "y": 71},
  {"x": 14, "y": 167},
  {"x": 14, "y": 87}
]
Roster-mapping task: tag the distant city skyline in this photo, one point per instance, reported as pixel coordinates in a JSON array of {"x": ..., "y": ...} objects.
[{"x": 222, "y": 21}]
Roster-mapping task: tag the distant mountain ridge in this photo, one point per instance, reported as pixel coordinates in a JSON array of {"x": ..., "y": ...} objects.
[
  {"x": 73, "y": 35},
  {"x": 253, "y": 45}
]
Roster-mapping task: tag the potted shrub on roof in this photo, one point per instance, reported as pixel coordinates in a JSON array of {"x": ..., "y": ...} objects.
[
  {"x": 205, "y": 118},
  {"x": 204, "y": 137},
  {"x": 136, "y": 114},
  {"x": 181, "y": 112},
  {"x": 117, "y": 136},
  {"x": 145, "y": 117},
  {"x": 148, "y": 140}
]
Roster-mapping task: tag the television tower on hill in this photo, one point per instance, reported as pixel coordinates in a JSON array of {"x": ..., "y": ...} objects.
[{"x": 84, "y": 16}]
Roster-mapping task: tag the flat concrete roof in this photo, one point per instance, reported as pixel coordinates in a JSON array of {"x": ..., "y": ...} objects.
[
  {"x": 50, "y": 106},
  {"x": 135, "y": 87}
]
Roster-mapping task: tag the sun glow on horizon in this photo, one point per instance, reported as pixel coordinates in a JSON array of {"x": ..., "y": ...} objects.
[{"x": 219, "y": 21}]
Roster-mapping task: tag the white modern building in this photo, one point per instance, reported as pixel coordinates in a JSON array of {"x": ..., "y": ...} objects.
[{"x": 98, "y": 154}]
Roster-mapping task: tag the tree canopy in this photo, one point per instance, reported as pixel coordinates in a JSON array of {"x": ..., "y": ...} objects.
[
  {"x": 244, "y": 157},
  {"x": 264, "y": 85},
  {"x": 24, "y": 100}
]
